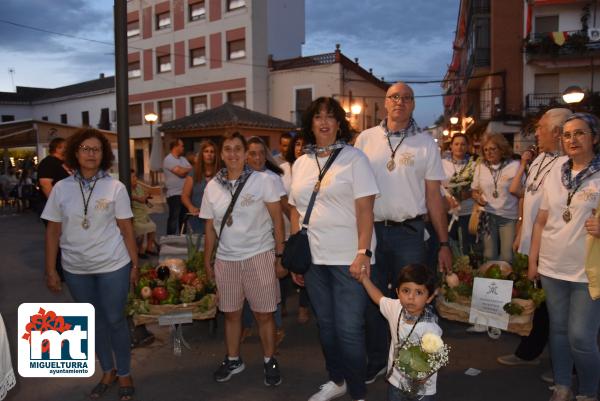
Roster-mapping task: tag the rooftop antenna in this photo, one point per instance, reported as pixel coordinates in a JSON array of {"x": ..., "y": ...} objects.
[{"x": 11, "y": 72}]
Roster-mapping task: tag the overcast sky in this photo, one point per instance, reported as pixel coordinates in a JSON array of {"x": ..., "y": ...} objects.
[{"x": 407, "y": 40}]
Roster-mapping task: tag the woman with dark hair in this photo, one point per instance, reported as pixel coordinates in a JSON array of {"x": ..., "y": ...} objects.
[
  {"x": 557, "y": 255},
  {"x": 491, "y": 183},
  {"x": 247, "y": 234},
  {"x": 89, "y": 216},
  {"x": 459, "y": 167},
  {"x": 206, "y": 166},
  {"x": 340, "y": 233}
]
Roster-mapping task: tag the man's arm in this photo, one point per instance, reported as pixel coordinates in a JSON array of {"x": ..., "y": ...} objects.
[
  {"x": 439, "y": 219},
  {"x": 180, "y": 171},
  {"x": 46, "y": 185}
]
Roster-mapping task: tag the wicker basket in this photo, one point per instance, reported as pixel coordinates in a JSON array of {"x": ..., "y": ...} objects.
[
  {"x": 194, "y": 307},
  {"x": 459, "y": 311}
]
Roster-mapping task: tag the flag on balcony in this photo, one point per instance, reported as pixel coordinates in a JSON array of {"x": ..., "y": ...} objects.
[{"x": 560, "y": 37}]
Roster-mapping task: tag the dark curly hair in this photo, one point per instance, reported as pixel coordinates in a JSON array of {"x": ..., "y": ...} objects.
[
  {"x": 418, "y": 274},
  {"x": 75, "y": 140},
  {"x": 332, "y": 106}
]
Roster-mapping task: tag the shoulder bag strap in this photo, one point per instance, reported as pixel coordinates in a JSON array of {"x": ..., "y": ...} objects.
[{"x": 313, "y": 197}]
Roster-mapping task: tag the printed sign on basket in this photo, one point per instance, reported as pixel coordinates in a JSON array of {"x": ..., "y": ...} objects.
[
  {"x": 56, "y": 340},
  {"x": 488, "y": 300}
]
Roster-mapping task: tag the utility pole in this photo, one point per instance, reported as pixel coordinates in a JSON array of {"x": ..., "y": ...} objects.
[{"x": 122, "y": 90}]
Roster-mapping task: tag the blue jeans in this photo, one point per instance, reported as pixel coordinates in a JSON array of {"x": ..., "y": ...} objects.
[
  {"x": 468, "y": 239},
  {"x": 108, "y": 293},
  {"x": 574, "y": 325},
  {"x": 394, "y": 394},
  {"x": 196, "y": 225},
  {"x": 502, "y": 230},
  {"x": 339, "y": 303},
  {"x": 176, "y": 214},
  {"x": 397, "y": 246}
]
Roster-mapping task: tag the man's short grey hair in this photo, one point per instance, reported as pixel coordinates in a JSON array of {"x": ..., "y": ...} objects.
[{"x": 557, "y": 117}]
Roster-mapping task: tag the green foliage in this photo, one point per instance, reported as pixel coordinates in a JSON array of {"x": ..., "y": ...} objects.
[
  {"x": 513, "y": 309},
  {"x": 414, "y": 359}
]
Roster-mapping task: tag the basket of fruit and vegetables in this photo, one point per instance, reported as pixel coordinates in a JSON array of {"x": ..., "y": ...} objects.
[
  {"x": 173, "y": 286},
  {"x": 454, "y": 302}
]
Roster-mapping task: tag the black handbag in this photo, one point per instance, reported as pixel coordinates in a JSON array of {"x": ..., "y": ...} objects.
[{"x": 296, "y": 253}]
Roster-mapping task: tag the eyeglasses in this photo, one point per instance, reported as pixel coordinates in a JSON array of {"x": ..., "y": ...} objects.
[
  {"x": 90, "y": 150},
  {"x": 490, "y": 149},
  {"x": 568, "y": 136},
  {"x": 405, "y": 99}
]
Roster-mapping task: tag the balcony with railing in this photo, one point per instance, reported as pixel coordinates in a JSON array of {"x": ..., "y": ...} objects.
[
  {"x": 545, "y": 45},
  {"x": 536, "y": 102}
]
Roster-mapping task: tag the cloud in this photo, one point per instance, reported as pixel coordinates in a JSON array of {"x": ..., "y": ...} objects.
[
  {"x": 71, "y": 17},
  {"x": 398, "y": 39}
]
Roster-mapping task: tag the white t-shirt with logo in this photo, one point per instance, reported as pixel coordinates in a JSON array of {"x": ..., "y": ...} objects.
[
  {"x": 466, "y": 206},
  {"x": 562, "y": 250},
  {"x": 173, "y": 182},
  {"x": 332, "y": 229},
  {"x": 402, "y": 189},
  {"x": 252, "y": 230},
  {"x": 505, "y": 205},
  {"x": 533, "y": 199},
  {"x": 100, "y": 248},
  {"x": 390, "y": 309}
]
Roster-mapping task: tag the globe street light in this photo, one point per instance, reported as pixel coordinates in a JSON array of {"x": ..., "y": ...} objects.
[
  {"x": 573, "y": 94},
  {"x": 151, "y": 118},
  {"x": 356, "y": 108},
  {"x": 453, "y": 120}
]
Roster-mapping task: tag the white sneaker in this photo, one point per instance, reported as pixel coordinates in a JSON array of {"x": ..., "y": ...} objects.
[{"x": 329, "y": 391}]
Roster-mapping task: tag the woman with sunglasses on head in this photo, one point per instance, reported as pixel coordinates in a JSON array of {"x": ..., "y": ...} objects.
[
  {"x": 491, "y": 182},
  {"x": 557, "y": 256},
  {"x": 206, "y": 166},
  {"x": 340, "y": 233},
  {"x": 89, "y": 215}
]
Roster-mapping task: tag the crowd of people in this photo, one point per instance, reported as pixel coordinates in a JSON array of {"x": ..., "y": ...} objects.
[{"x": 374, "y": 213}]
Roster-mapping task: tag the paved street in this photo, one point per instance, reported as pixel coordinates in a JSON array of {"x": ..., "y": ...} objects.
[{"x": 159, "y": 375}]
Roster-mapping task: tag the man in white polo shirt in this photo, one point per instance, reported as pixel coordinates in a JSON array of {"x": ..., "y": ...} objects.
[
  {"x": 175, "y": 168},
  {"x": 408, "y": 170}
]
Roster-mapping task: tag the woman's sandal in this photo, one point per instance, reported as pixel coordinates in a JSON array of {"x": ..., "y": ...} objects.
[
  {"x": 101, "y": 388},
  {"x": 126, "y": 393}
]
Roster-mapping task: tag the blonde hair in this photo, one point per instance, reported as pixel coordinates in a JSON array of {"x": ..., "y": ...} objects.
[{"x": 500, "y": 141}]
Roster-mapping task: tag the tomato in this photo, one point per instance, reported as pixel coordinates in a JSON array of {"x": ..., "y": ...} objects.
[
  {"x": 160, "y": 293},
  {"x": 188, "y": 278}
]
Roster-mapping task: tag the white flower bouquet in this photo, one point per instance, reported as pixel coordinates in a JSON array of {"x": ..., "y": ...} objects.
[{"x": 418, "y": 360}]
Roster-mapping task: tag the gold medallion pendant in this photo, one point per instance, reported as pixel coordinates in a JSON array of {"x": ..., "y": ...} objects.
[
  {"x": 391, "y": 165},
  {"x": 229, "y": 221},
  {"x": 85, "y": 223},
  {"x": 566, "y": 215}
]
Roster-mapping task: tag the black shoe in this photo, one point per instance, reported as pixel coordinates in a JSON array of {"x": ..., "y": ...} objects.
[
  {"x": 371, "y": 377},
  {"x": 272, "y": 375},
  {"x": 227, "y": 369}
]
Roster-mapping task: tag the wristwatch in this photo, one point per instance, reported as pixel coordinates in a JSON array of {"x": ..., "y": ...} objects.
[
  {"x": 367, "y": 252},
  {"x": 444, "y": 243}
]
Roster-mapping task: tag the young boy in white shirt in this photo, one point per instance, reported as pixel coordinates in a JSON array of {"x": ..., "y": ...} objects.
[{"x": 409, "y": 317}]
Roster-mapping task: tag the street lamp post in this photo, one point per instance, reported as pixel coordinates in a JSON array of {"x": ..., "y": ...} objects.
[{"x": 151, "y": 118}]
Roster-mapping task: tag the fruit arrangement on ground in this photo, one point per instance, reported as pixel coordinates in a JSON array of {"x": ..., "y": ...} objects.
[{"x": 173, "y": 282}]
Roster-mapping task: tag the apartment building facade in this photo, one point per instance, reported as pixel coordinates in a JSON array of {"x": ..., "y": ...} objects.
[
  {"x": 484, "y": 81},
  {"x": 294, "y": 83},
  {"x": 562, "y": 47}
]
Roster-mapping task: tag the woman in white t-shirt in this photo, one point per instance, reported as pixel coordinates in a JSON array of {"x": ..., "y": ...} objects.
[
  {"x": 491, "y": 182},
  {"x": 248, "y": 246},
  {"x": 459, "y": 167},
  {"x": 558, "y": 252},
  {"x": 89, "y": 216},
  {"x": 341, "y": 238}
]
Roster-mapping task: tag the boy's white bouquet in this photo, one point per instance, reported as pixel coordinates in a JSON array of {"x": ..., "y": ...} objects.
[{"x": 418, "y": 360}]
